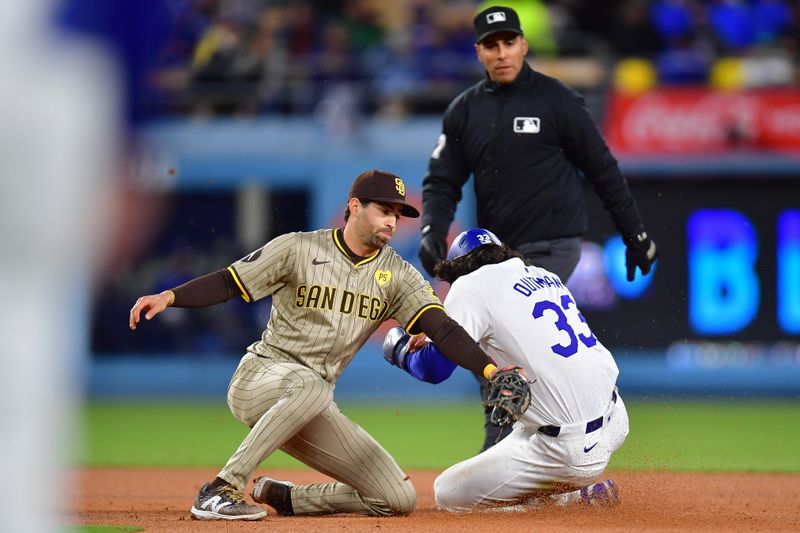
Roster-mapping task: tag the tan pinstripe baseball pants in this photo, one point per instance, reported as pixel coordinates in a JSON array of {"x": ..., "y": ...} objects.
[{"x": 290, "y": 407}]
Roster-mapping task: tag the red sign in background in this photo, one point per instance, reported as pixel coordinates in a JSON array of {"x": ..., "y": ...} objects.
[{"x": 702, "y": 121}]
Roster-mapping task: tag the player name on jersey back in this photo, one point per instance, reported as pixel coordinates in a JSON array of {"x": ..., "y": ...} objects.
[{"x": 527, "y": 285}]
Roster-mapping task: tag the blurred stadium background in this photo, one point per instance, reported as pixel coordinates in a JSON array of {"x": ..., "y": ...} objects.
[
  {"x": 252, "y": 117},
  {"x": 162, "y": 139}
]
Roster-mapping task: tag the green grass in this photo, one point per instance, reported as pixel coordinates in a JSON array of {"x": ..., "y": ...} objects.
[
  {"x": 714, "y": 435},
  {"x": 207, "y": 434}
]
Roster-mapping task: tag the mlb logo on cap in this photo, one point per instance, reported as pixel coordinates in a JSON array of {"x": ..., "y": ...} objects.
[
  {"x": 497, "y": 16},
  {"x": 496, "y": 19}
]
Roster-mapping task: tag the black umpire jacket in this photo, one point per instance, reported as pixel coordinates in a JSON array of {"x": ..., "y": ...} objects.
[{"x": 526, "y": 143}]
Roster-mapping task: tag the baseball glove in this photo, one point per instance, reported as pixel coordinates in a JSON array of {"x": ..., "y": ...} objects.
[{"x": 509, "y": 395}]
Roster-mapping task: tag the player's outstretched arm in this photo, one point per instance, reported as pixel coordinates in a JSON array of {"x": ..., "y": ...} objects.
[
  {"x": 454, "y": 342},
  {"x": 420, "y": 359},
  {"x": 509, "y": 384},
  {"x": 150, "y": 305},
  {"x": 204, "y": 291}
]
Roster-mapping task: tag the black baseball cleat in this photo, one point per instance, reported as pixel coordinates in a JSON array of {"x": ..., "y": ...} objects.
[
  {"x": 224, "y": 503},
  {"x": 277, "y": 494}
]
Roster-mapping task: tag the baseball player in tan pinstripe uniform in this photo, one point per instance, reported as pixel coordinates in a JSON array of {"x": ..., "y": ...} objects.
[{"x": 331, "y": 290}]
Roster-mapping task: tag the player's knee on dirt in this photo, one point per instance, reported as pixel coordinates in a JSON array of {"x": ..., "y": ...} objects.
[
  {"x": 399, "y": 499},
  {"x": 449, "y": 495},
  {"x": 441, "y": 493},
  {"x": 403, "y": 499}
]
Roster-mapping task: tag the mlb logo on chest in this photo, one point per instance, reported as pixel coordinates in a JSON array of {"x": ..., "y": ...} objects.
[{"x": 526, "y": 124}]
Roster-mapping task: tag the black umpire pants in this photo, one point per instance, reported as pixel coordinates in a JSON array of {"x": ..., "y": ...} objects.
[{"x": 559, "y": 256}]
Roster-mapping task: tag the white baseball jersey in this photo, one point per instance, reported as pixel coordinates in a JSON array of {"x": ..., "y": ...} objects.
[{"x": 524, "y": 315}]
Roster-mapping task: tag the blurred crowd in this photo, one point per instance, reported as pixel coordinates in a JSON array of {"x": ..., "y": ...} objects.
[
  {"x": 341, "y": 59},
  {"x": 251, "y": 57}
]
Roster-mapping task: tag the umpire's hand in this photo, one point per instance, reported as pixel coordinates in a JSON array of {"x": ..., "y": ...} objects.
[
  {"x": 640, "y": 251},
  {"x": 432, "y": 249}
]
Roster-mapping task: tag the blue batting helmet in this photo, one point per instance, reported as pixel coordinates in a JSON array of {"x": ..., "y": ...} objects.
[{"x": 469, "y": 240}]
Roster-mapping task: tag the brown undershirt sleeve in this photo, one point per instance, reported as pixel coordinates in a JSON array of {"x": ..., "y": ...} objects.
[
  {"x": 207, "y": 290},
  {"x": 453, "y": 341}
]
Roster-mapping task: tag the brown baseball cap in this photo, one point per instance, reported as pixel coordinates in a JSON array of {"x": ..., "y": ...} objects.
[
  {"x": 496, "y": 19},
  {"x": 381, "y": 186}
]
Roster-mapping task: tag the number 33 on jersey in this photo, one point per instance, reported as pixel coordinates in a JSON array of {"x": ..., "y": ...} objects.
[{"x": 524, "y": 315}]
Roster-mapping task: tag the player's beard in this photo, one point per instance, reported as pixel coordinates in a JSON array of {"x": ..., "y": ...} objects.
[
  {"x": 378, "y": 239},
  {"x": 374, "y": 236}
]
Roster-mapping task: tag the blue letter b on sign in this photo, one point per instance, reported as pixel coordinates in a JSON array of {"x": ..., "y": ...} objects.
[{"x": 723, "y": 286}]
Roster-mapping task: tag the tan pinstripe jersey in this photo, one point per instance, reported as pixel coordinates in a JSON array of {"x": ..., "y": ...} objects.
[{"x": 324, "y": 307}]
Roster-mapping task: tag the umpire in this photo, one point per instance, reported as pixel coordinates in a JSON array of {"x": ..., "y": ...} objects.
[{"x": 527, "y": 138}]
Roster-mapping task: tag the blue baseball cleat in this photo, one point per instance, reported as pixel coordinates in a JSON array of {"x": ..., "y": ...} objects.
[{"x": 603, "y": 494}]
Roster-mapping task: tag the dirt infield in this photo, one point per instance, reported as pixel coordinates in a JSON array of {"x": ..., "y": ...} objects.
[{"x": 159, "y": 500}]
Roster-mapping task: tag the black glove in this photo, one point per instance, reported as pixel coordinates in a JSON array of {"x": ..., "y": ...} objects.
[
  {"x": 509, "y": 395},
  {"x": 640, "y": 251},
  {"x": 432, "y": 249}
]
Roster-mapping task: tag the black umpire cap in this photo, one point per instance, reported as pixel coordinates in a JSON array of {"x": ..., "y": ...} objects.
[{"x": 496, "y": 19}]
